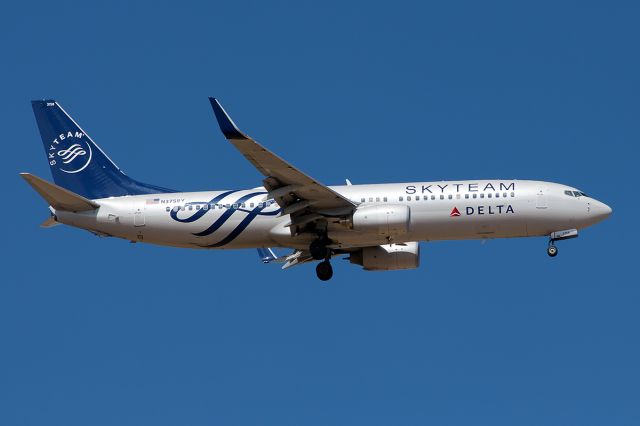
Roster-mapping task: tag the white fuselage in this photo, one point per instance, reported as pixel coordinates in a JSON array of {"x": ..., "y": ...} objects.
[{"x": 451, "y": 210}]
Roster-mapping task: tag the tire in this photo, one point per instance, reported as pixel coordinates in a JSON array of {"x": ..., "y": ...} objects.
[
  {"x": 324, "y": 271},
  {"x": 552, "y": 251}
]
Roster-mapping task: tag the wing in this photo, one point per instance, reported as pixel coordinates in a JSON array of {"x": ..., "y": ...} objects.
[{"x": 306, "y": 199}]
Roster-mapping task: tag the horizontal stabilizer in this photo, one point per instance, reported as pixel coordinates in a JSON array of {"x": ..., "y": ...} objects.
[
  {"x": 58, "y": 197},
  {"x": 50, "y": 222}
]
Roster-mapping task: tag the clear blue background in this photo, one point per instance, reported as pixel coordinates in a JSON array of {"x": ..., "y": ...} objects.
[{"x": 103, "y": 332}]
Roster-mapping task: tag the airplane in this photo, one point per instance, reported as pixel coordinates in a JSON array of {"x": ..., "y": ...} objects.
[{"x": 377, "y": 226}]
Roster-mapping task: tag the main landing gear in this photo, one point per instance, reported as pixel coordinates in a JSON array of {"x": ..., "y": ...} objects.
[
  {"x": 552, "y": 250},
  {"x": 324, "y": 270},
  {"x": 320, "y": 251}
]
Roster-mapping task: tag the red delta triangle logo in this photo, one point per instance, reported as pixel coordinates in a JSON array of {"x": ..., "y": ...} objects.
[{"x": 455, "y": 212}]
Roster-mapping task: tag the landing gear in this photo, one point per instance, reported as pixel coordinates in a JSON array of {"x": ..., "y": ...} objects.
[
  {"x": 319, "y": 250},
  {"x": 324, "y": 270},
  {"x": 552, "y": 250}
]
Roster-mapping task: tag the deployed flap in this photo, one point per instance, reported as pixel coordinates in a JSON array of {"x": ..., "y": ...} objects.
[
  {"x": 289, "y": 186},
  {"x": 57, "y": 197}
]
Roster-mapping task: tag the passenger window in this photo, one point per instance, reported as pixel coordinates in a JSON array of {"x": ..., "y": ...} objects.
[
  {"x": 190, "y": 207},
  {"x": 513, "y": 194},
  {"x": 504, "y": 195},
  {"x": 242, "y": 205},
  {"x": 466, "y": 196},
  {"x": 497, "y": 195},
  {"x": 251, "y": 205},
  {"x": 400, "y": 198},
  {"x": 475, "y": 195},
  {"x": 489, "y": 195},
  {"x": 362, "y": 200},
  {"x": 168, "y": 209},
  {"x": 408, "y": 197},
  {"x": 450, "y": 196},
  {"x": 441, "y": 197},
  {"x": 384, "y": 199},
  {"x": 198, "y": 207},
  {"x": 433, "y": 197},
  {"x": 205, "y": 207},
  {"x": 371, "y": 199},
  {"x": 426, "y": 197},
  {"x": 482, "y": 195},
  {"x": 457, "y": 196},
  {"x": 377, "y": 199}
]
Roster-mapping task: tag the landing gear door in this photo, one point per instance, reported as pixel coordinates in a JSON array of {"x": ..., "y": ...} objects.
[{"x": 541, "y": 199}]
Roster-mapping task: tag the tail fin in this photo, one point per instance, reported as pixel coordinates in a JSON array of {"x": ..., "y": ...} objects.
[
  {"x": 76, "y": 162},
  {"x": 59, "y": 198}
]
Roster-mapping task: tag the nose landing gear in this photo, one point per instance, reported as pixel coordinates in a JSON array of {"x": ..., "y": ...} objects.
[{"x": 552, "y": 250}]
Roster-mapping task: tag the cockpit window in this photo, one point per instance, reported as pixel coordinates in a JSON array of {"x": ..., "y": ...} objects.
[{"x": 569, "y": 193}]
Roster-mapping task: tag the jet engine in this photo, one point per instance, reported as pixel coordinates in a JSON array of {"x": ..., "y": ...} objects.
[
  {"x": 387, "y": 220},
  {"x": 388, "y": 257}
]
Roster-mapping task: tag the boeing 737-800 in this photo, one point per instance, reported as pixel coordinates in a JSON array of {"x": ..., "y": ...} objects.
[{"x": 378, "y": 227}]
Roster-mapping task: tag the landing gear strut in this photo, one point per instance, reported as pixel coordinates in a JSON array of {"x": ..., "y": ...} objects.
[
  {"x": 318, "y": 249},
  {"x": 324, "y": 270}
]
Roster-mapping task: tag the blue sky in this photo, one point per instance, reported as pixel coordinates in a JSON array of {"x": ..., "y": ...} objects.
[{"x": 98, "y": 331}]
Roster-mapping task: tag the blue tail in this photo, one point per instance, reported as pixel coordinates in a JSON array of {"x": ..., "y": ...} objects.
[{"x": 77, "y": 163}]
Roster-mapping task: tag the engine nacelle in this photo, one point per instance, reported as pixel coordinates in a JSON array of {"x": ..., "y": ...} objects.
[
  {"x": 387, "y": 220},
  {"x": 388, "y": 257}
]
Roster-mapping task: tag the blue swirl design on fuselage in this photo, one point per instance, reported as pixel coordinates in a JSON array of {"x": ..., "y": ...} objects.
[{"x": 251, "y": 215}]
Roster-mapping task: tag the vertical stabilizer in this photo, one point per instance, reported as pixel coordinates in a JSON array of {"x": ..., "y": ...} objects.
[{"x": 76, "y": 162}]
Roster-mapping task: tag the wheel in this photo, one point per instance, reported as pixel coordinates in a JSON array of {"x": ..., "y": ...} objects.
[
  {"x": 324, "y": 270},
  {"x": 552, "y": 251},
  {"x": 318, "y": 250}
]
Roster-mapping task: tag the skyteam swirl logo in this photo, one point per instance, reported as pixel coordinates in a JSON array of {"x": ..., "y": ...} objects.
[
  {"x": 228, "y": 208},
  {"x": 70, "y": 152},
  {"x": 68, "y": 155}
]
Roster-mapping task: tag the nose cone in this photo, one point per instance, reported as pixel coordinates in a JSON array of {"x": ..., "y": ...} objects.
[{"x": 600, "y": 211}]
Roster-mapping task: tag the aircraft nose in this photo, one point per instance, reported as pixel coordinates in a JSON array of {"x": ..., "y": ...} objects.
[{"x": 600, "y": 210}]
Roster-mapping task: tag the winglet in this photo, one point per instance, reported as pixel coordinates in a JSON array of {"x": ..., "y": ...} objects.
[{"x": 227, "y": 126}]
